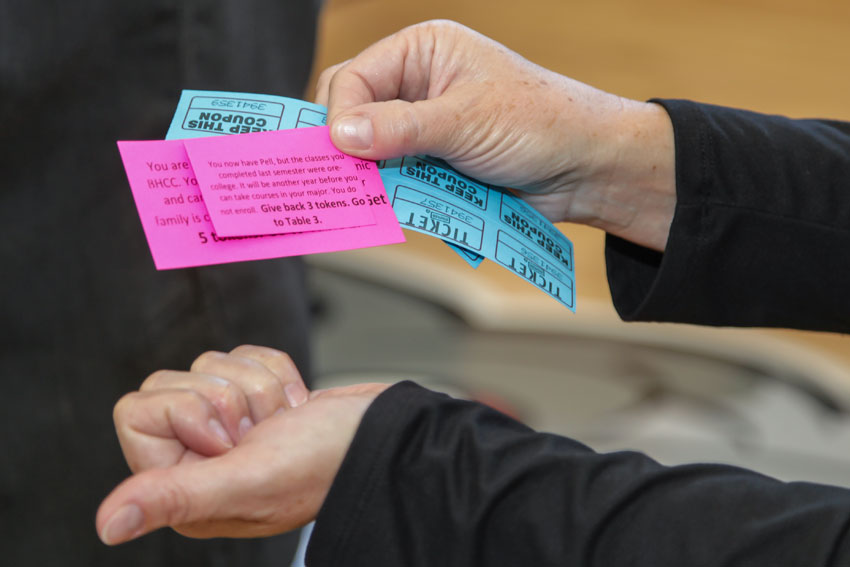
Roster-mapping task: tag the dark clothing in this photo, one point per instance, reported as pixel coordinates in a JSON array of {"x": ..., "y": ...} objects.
[
  {"x": 761, "y": 230},
  {"x": 758, "y": 238},
  {"x": 85, "y": 316}
]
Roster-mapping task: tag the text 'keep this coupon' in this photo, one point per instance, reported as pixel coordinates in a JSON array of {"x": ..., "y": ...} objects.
[{"x": 310, "y": 198}]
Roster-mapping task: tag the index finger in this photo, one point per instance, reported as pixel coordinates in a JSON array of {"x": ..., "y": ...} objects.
[
  {"x": 324, "y": 81},
  {"x": 398, "y": 66}
]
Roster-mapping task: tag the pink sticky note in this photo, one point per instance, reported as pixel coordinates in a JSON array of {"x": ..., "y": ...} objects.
[
  {"x": 281, "y": 181},
  {"x": 178, "y": 227}
]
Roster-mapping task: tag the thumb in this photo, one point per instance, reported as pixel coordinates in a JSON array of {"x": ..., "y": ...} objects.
[
  {"x": 175, "y": 496},
  {"x": 385, "y": 130}
]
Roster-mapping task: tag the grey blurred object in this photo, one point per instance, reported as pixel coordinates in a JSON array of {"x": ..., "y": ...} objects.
[
  {"x": 675, "y": 403},
  {"x": 85, "y": 316}
]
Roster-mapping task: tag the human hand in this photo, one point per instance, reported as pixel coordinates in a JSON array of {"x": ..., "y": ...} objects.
[
  {"x": 576, "y": 153},
  {"x": 236, "y": 447}
]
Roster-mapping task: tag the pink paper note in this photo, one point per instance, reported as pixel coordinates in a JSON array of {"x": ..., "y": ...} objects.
[
  {"x": 281, "y": 181},
  {"x": 178, "y": 227}
]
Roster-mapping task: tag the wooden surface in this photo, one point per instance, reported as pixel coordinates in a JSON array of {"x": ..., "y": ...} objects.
[{"x": 774, "y": 56}]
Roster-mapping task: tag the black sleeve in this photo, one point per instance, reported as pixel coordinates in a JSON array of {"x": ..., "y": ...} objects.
[
  {"x": 761, "y": 231},
  {"x": 431, "y": 481}
]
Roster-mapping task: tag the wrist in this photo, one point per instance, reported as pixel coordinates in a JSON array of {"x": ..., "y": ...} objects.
[{"x": 632, "y": 190}]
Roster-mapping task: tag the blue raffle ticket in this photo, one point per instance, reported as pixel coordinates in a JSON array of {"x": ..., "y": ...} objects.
[{"x": 475, "y": 219}]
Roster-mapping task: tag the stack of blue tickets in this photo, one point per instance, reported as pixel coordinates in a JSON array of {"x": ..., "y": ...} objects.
[{"x": 475, "y": 219}]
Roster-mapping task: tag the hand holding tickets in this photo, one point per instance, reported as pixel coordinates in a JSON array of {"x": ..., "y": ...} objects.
[
  {"x": 575, "y": 153},
  {"x": 211, "y": 198}
]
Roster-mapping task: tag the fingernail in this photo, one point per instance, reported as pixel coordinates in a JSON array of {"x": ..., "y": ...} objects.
[
  {"x": 219, "y": 431},
  {"x": 245, "y": 425},
  {"x": 354, "y": 133},
  {"x": 125, "y": 524},
  {"x": 296, "y": 394}
]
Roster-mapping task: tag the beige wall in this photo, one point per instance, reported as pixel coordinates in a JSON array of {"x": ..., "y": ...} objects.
[{"x": 777, "y": 56}]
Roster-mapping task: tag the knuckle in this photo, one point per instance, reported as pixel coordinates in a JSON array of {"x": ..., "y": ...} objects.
[
  {"x": 333, "y": 74},
  {"x": 263, "y": 395},
  {"x": 123, "y": 407},
  {"x": 154, "y": 380},
  {"x": 206, "y": 360},
  {"x": 284, "y": 356},
  {"x": 409, "y": 129},
  {"x": 242, "y": 348},
  {"x": 285, "y": 368},
  {"x": 227, "y": 397},
  {"x": 261, "y": 387},
  {"x": 329, "y": 72},
  {"x": 331, "y": 79},
  {"x": 254, "y": 350},
  {"x": 176, "y": 501},
  {"x": 325, "y": 76}
]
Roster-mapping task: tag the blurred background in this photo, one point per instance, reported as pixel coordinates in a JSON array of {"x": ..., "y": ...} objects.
[
  {"x": 85, "y": 317},
  {"x": 776, "y": 401}
]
